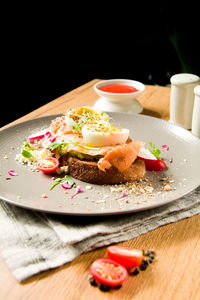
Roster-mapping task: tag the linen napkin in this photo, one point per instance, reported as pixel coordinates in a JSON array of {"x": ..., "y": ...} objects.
[{"x": 32, "y": 242}]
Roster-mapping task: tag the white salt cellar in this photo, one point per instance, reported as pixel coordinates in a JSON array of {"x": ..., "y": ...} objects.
[
  {"x": 196, "y": 112},
  {"x": 182, "y": 99}
]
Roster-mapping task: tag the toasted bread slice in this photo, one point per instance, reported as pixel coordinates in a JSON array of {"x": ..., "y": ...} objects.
[{"x": 88, "y": 171}]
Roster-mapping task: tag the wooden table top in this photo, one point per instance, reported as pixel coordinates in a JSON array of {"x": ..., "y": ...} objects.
[{"x": 175, "y": 274}]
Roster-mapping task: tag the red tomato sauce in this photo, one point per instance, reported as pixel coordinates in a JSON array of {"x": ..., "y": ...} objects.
[{"x": 118, "y": 88}]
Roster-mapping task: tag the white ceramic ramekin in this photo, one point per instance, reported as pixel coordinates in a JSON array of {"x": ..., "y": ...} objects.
[{"x": 119, "y": 102}]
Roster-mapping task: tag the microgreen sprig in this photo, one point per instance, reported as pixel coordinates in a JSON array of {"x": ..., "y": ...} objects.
[
  {"x": 156, "y": 152},
  {"x": 26, "y": 149},
  {"x": 66, "y": 179}
]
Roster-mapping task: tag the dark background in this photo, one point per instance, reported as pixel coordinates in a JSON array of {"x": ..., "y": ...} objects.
[{"x": 47, "y": 53}]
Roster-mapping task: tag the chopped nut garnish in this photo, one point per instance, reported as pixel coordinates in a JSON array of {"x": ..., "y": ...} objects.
[
  {"x": 88, "y": 187},
  {"x": 100, "y": 201},
  {"x": 148, "y": 189},
  {"x": 150, "y": 196},
  {"x": 44, "y": 196},
  {"x": 172, "y": 181},
  {"x": 164, "y": 179},
  {"x": 167, "y": 188},
  {"x": 136, "y": 202}
]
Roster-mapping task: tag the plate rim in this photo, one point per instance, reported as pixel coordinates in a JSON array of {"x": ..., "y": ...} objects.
[{"x": 103, "y": 213}]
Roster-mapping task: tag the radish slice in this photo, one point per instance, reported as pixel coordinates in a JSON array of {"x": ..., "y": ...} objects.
[
  {"x": 151, "y": 162},
  {"x": 146, "y": 154},
  {"x": 37, "y": 136},
  {"x": 12, "y": 173},
  {"x": 66, "y": 185}
]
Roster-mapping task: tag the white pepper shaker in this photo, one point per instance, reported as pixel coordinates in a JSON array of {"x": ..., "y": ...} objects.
[
  {"x": 182, "y": 99},
  {"x": 196, "y": 112}
]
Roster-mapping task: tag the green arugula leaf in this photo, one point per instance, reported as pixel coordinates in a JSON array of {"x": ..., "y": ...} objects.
[
  {"x": 57, "y": 181},
  {"x": 57, "y": 143},
  {"x": 26, "y": 153},
  {"x": 26, "y": 149},
  {"x": 27, "y": 146},
  {"x": 156, "y": 152},
  {"x": 67, "y": 179}
]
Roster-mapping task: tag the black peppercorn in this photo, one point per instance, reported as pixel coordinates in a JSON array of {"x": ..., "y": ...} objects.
[
  {"x": 149, "y": 253},
  {"x": 135, "y": 271},
  {"x": 144, "y": 265},
  {"x": 92, "y": 281},
  {"x": 103, "y": 287},
  {"x": 118, "y": 287}
]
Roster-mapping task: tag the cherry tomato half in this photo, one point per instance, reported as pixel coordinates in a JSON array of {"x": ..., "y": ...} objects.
[
  {"x": 127, "y": 257},
  {"x": 48, "y": 165},
  {"x": 108, "y": 272}
]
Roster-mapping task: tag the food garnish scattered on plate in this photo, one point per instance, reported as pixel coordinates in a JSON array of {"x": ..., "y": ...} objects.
[{"x": 84, "y": 144}]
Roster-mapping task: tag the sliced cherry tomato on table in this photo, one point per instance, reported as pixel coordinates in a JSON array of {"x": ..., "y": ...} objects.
[
  {"x": 48, "y": 165},
  {"x": 127, "y": 257},
  {"x": 108, "y": 272}
]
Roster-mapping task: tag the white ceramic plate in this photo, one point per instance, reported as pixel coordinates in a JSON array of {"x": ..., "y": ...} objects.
[{"x": 26, "y": 189}]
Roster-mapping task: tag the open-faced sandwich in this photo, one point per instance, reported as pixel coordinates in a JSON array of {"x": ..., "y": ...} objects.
[{"x": 93, "y": 150}]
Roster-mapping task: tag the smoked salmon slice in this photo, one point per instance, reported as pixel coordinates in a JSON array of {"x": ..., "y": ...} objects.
[{"x": 121, "y": 156}]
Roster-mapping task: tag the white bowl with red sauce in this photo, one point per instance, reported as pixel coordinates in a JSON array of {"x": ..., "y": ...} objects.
[{"x": 119, "y": 95}]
